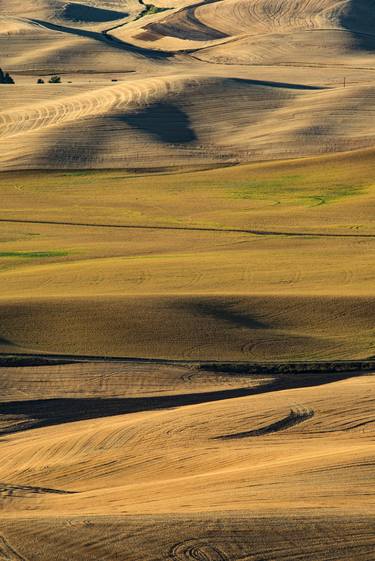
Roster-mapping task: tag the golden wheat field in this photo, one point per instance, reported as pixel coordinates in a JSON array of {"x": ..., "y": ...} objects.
[{"x": 187, "y": 280}]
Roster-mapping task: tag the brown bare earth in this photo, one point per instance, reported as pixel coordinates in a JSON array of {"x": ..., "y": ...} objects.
[{"x": 187, "y": 280}]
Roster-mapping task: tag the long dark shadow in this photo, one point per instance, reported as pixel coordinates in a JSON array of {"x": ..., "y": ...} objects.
[
  {"x": 103, "y": 37},
  {"x": 46, "y": 412}
]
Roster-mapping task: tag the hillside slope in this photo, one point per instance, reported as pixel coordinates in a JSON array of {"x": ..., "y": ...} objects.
[{"x": 226, "y": 81}]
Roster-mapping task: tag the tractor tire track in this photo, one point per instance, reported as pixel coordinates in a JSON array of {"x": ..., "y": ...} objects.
[
  {"x": 193, "y": 550},
  {"x": 103, "y": 101},
  {"x": 295, "y": 417},
  {"x": 8, "y": 553}
]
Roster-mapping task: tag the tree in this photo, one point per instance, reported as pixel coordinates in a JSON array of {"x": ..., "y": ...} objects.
[
  {"x": 5, "y": 78},
  {"x": 54, "y": 80},
  {"x": 40, "y": 81}
]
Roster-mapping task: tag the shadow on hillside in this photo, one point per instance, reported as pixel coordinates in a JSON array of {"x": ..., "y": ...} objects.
[
  {"x": 220, "y": 311},
  {"x": 46, "y": 412},
  {"x": 359, "y": 19},
  {"x": 79, "y": 146},
  {"x": 89, "y": 14},
  {"x": 6, "y": 342},
  {"x": 188, "y": 27},
  {"x": 103, "y": 38},
  {"x": 272, "y": 84},
  {"x": 164, "y": 120}
]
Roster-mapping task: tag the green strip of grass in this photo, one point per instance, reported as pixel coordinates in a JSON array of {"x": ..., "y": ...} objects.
[
  {"x": 292, "y": 190},
  {"x": 149, "y": 10},
  {"x": 33, "y": 254}
]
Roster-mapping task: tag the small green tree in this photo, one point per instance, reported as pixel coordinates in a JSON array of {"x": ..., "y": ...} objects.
[
  {"x": 5, "y": 78},
  {"x": 40, "y": 81},
  {"x": 55, "y": 80}
]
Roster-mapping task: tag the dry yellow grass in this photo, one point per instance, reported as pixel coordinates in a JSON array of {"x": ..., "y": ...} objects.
[
  {"x": 273, "y": 91},
  {"x": 234, "y": 536},
  {"x": 128, "y": 122},
  {"x": 197, "y": 195},
  {"x": 305, "y": 464},
  {"x": 291, "y": 459},
  {"x": 201, "y": 25},
  {"x": 241, "y": 263}
]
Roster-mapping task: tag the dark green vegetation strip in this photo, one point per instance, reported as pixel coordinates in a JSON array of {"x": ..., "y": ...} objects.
[
  {"x": 235, "y": 367},
  {"x": 17, "y": 361},
  {"x": 149, "y": 10},
  {"x": 315, "y": 367}
]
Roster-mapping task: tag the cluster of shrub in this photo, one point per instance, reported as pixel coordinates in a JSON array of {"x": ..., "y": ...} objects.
[
  {"x": 5, "y": 78},
  {"x": 52, "y": 80},
  {"x": 292, "y": 367}
]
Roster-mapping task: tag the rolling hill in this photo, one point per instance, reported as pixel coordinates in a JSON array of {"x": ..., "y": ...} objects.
[
  {"x": 187, "y": 298},
  {"x": 274, "y": 72}
]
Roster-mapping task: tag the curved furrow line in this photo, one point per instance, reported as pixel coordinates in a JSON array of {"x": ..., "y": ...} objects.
[
  {"x": 236, "y": 17},
  {"x": 36, "y": 117},
  {"x": 295, "y": 417},
  {"x": 196, "y": 550}
]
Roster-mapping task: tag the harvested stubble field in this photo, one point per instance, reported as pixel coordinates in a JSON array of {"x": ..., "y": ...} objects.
[
  {"x": 165, "y": 456},
  {"x": 187, "y": 292},
  {"x": 269, "y": 261}
]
